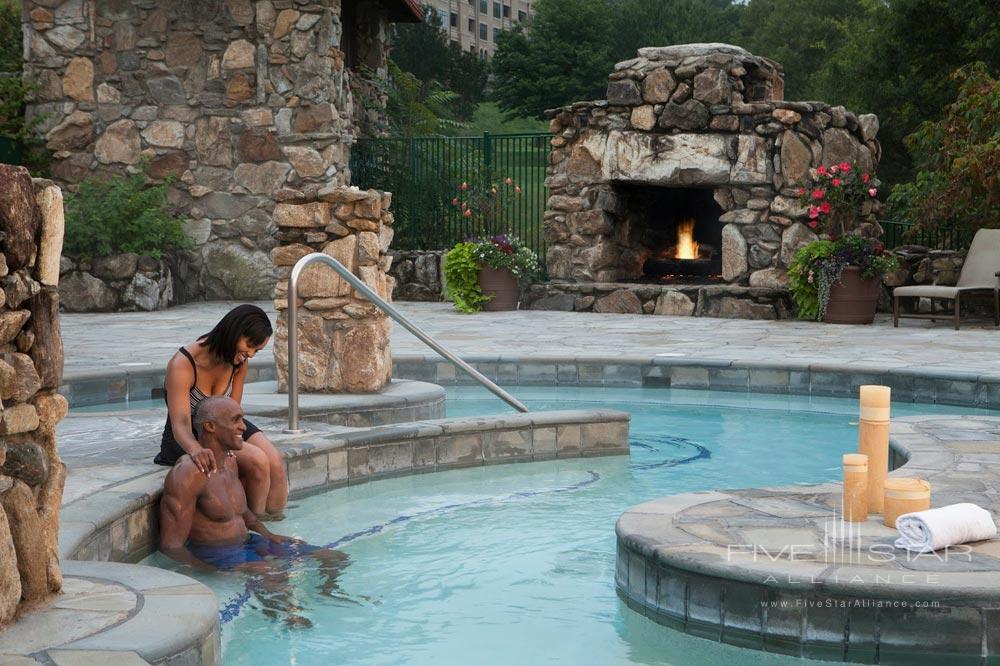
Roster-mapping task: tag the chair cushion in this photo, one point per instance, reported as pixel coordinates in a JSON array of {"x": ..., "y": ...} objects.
[{"x": 926, "y": 291}]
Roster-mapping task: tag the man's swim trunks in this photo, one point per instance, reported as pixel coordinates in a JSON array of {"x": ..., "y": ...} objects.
[{"x": 255, "y": 549}]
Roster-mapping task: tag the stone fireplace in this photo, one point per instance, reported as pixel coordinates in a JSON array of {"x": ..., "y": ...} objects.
[{"x": 678, "y": 193}]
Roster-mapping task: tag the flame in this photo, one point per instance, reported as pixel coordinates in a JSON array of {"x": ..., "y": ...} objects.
[{"x": 686, "y": 248}]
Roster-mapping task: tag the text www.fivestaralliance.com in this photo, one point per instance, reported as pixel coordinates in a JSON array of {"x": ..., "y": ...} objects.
[{"x": 847, "y": 603}]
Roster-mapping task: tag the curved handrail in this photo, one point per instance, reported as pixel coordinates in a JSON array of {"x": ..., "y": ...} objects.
[{"x": 366, "y": 291}]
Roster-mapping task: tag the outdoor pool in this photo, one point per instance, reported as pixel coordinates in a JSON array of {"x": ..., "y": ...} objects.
[{"x": 514, "y": 564}]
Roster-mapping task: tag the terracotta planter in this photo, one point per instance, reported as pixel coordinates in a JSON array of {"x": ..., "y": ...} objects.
[
  {"x": 502, "y": 286},
  {"x": 852, "y": 299}
]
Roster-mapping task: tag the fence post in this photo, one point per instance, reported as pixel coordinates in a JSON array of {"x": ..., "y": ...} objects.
[{"x": 487, "y": 151}]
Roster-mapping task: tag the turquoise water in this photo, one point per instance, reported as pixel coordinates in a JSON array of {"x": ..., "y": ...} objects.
[{"x": 514, "y": 564}]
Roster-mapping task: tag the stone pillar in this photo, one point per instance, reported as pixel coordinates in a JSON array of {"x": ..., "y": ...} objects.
[
  {"x": 343, "y": 338},
  {"x": 31, "y": 365}
]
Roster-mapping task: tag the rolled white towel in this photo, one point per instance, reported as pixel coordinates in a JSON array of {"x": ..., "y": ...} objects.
[{"x": 933, "y": 529}]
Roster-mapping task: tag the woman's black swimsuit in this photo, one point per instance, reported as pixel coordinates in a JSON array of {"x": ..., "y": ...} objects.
[{"x": 170, "y": 450}]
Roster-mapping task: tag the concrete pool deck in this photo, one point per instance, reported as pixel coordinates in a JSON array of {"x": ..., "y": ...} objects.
[{"x": 113, "y": 357}]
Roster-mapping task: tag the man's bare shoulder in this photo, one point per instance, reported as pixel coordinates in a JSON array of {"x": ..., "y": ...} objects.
[{"x": 184, "y": 478}]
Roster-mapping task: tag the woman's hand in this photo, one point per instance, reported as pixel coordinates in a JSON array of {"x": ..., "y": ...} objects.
[{"x": 204, "y": 461}]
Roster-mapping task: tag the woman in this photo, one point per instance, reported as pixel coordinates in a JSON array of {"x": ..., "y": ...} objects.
[{"x": 216, "y": 364}]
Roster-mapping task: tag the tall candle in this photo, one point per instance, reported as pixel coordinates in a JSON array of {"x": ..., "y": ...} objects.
[
  {"x": 855, "y": 487},
  {"x": 873, "y": 440},
  {"x": 905, "y": 496}
]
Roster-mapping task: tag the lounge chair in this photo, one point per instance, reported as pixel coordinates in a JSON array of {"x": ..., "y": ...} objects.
[{"x": 980, "y": 273}]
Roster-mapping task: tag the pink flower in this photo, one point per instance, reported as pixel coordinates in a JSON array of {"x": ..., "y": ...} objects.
[
  {"x": 517, "y": 189},
  {"x": 844, "y": 167},
  {"x": 818, "y": 194},
  {"x": 865, "y": 177},
  {"x": 454, "y": 202},
  {"x": 464, "y": 186},
  {"x": 509, "y": 181},
  {"x": 833, "y": 168},
  {"x": 813, "y": 212},
  {"x": 821, "y": 170},
  {"x": 801, "y": 192},
  {"x": 872, "y": 192},
  {"x": 812, "y": 225},
  {"x": 836, "y": 182},
  {"x": 468, "y": 212},
  {"x": 824, "y": 207}
]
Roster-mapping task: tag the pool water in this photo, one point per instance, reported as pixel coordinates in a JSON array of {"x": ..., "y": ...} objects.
[{"x": 514, "y": 564}]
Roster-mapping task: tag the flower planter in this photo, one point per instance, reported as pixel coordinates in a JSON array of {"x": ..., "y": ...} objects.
[
  {"x": 502, "y": 285},
  {"x": 853, "y": 299}
]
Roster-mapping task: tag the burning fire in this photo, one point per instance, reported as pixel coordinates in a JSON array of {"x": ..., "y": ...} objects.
[{"x": 686, "y": 247}]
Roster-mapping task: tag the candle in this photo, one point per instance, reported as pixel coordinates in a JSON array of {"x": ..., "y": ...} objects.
[
  {"x": 873, "y": 440},
  {"x": 855, "y": 487},
  {"x": 905, "y": 496}
]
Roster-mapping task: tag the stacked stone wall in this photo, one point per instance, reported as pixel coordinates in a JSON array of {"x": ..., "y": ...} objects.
[
  {"x": 243, "y": 103},
  {"x": 695, "y": 116},
  {"x": 343, "y": 337},
  {"x": 31, "y": 366},
  {"x": 419, "y": 275},
  {"x": 121, "y": 282}
]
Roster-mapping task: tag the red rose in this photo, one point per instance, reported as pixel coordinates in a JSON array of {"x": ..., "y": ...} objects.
[
  {"x": 824, "y": 207},
  {"x": 813, "y": 212},
  {"x": 844, "y": 167},
  {"x": 818, "y": 194},
  {"x": 813, "y": 224},
  {"x": 865, "y": 177},
  {"x": 821, "y": 170},
  {"x": 836, "y": 182}
]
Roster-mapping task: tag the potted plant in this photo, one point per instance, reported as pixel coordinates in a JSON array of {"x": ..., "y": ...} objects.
[
  {"x": 485, "y": 273},
  {"x": 484, "y": 270},
  {"x": 838, "y": 281}
]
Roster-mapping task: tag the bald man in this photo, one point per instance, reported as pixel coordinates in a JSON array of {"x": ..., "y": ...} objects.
[{"x": 204, "y": 518}]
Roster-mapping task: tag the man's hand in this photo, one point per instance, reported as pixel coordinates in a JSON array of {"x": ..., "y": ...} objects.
[{"x": 204, "y": 461}]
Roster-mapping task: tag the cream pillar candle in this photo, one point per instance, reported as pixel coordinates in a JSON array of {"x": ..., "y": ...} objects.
[
  {"x": 904, "y": 496},
  {"x": 855, "y": 487},
  {"x": 873, "y": 440}
]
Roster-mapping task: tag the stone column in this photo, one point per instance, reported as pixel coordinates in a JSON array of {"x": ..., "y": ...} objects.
[
  {"x": 31, "y": 365},
  {"x": 343, "y": 338}
]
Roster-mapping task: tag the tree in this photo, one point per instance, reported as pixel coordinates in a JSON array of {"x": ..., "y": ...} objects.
[
  {"x": 424, "y": 50},
  {"x": 639, "y": 23},
  {"x": 802, "y": 35},
  {"x": 957, "y": 185},
  {"x": 564, "y": 56}
]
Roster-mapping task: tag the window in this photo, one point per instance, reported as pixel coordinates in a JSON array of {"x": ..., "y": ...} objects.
[
  {"x": 496, "y": 10},
  {"x": 506, "y": 11},
  {"x": 472, "y": 25},
  {"x": 521, "y": 16},
  {"x": 443, "y": 17},
  {"x": 482, "y": 31},
  {"x": 454, "y": 20},
  {"x": 496, "y": 33},
  {"x": 482, "y": 7}
]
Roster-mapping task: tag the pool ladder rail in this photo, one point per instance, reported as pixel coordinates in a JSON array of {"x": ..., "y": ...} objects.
[{"x": 367, "y": 292}]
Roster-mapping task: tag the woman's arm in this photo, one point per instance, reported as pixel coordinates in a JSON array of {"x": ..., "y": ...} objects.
[
  {"x": 239, "y": 379},
  {"x": 180, "y": 377}
]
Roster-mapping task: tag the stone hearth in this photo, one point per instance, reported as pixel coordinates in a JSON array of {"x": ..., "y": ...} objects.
[{"x": 696, "y": 131}]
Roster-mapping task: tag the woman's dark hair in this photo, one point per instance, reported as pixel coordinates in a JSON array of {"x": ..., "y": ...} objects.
[{"x": 243, "y": 320}]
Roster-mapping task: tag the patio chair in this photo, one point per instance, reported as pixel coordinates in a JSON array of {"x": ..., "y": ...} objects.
[{"x": 980, "y": 273}]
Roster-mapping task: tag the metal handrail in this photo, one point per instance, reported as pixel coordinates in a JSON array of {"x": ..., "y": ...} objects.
[{"x": 366, "y": 291}]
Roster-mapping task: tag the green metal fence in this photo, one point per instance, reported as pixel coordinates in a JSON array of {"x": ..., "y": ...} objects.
[
  {"x": 900, "y": 233},
  {"x": 424, "y": 173}
]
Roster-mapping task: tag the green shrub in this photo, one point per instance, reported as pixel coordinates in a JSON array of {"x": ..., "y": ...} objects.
[
  {"x": 461, "y": 274},
  {"x": 123, "y": 214}
]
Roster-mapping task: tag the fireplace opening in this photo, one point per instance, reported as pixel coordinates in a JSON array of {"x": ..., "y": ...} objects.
[{"x": 676, "y": 231}]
